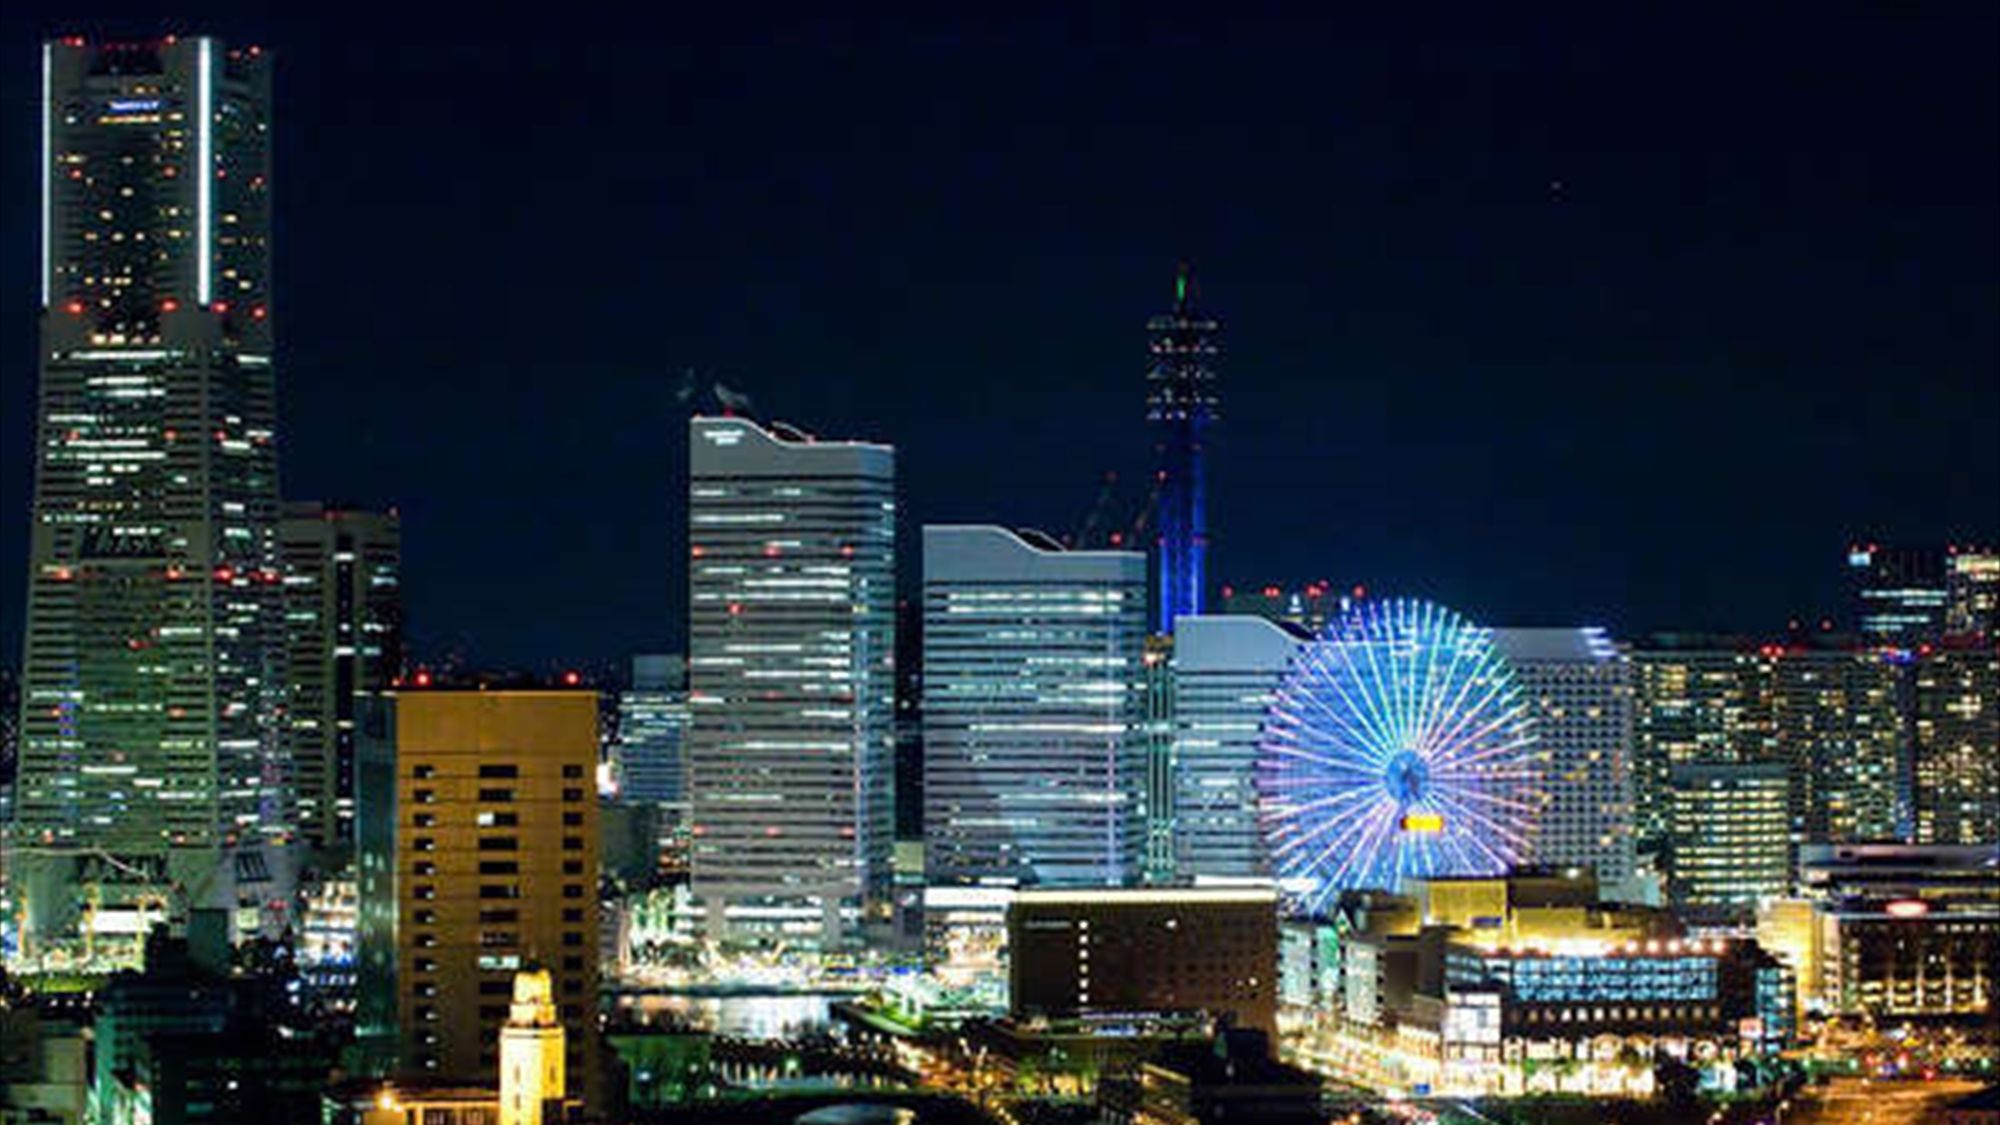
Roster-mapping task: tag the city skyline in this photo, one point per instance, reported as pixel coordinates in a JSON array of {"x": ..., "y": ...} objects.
[
  {"x": 1331, "y": 677},
  {"x": 1438, "y": 256}
]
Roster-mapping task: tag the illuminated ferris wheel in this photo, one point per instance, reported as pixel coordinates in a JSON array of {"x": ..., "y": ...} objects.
[{"x": 1398, "y": 747}]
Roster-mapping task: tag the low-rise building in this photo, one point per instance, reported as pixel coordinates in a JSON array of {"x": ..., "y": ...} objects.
[
  {"x": 1892, "y": 930},
  {"x": 1166, "y": 951}
]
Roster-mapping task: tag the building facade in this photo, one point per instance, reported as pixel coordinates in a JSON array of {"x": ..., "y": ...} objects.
[
  {"x": 478, "y": 855},
  {"x": 1892, "y": 930},
  {"x": 1591, "y": 1022},
  {"x": 153, "y": 661},
  {"x": 1579, "y": 688},
  {"x": 1728, "y": 837},
  {"x": 1693, "y": 704},
  {"x": 791, "y": 614},
  {"x": 1835, "y": 719},
  {"x": 1972, "y": 593},
  {"x": 649, "y": 757},
  {"x": 343, "y": 640},
  {"x": 1837, "y": 722},
  {"x": 1955, "y": 751},
  {"x": 1226, "y": 673},
  {"x": 1034, "y": 704},
  {"x": 1898, "y": 593},
  {"x": 1074, "y": 953}
]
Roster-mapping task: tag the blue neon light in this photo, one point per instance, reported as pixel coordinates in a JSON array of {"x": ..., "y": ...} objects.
[{"x": 1398, "y": 747}]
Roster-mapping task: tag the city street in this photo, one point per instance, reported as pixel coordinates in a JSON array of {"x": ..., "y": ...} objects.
[{"x": 1857, "y": 1101}]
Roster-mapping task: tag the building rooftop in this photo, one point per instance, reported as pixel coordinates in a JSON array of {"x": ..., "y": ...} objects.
[{"x": 1587, "y": 643}]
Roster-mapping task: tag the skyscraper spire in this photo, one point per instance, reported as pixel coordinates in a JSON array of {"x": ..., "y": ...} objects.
[{"x": 1180, "y": 405}]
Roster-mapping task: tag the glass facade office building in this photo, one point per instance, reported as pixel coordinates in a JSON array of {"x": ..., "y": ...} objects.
[
  {"x": 1034, "y": 708},
  {"x": 1226, "y": 671},
  {"x": 791, "y": 665},
  {"x": 649, "y": 757}
]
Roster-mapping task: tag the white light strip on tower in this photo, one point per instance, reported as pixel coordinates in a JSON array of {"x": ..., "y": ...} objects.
[
  {"x": 205, "y": 156},
  {"x": 48, "y": 169}
]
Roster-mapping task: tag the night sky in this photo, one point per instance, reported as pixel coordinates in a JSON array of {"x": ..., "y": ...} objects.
[{"x": 1560, "y": 322}]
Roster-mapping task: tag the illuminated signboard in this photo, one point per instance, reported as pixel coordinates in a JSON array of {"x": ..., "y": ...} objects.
[
  {"x": 1907, "y": 908},
  {"x": 134, "y": 105},
  {"x": 1423, "y": 822}
]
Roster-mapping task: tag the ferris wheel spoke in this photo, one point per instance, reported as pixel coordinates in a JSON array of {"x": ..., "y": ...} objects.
[
  {"x": 1433, "y": 694},
  {"x": 1471, "y": 671},
  {"x": 1340, "y": 734},
  {"x": 1353, "y": 717},
  {"x": 1487, "y": 824}
]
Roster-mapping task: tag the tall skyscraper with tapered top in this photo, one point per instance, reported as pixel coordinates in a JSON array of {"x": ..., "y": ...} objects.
[
  {"x": 152, "y": 662},
  {"x": 791, "y": 681},
  {"x": 1181, "y": 403}
]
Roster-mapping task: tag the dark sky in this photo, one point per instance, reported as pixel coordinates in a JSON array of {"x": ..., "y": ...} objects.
[{"x": 1577, "y": 320}]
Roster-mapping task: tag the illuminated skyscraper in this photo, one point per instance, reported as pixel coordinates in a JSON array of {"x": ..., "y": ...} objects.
[
  {"x": 1838, "y": 724},
  {"x": 791, "y": 664},
  {"x": 649, "y": 759},
  {"x": 1729, "y": 837},
  {"x": 1579, "y": 689},
  {"x": 1034, "y": 699},
  {"x": 649, "y": 768},
  {"x": 150, "y": 740},
  {"x": 1898, "y": 593},
  {"x": 1180, "y": 405},
  {"x": 343, "y": 640},
  {"x": 1972, "y": 593},
  {"x": 1226, "y": 671},
  {"x": 1832, "y": 718},
  {"x": 1957, "y": 746},
  {"x": 1701, "y": 703}
]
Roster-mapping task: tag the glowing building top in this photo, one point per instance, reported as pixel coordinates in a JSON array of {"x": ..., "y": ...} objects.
[
  {"x": 532, "y": 1078},
  {"x": 1180, "y": 404}
]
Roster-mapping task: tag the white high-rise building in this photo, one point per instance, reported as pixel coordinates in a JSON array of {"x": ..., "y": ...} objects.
[
  {"x": 1226, "y": 671},
  {"x": 1579, "y": 689},
  {"x": 792, "y": 637},
  {"x": 1034, "y": 698}
]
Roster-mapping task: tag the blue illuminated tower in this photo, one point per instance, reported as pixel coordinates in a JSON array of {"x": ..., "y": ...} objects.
[{"x": 1181, "y": 404}]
